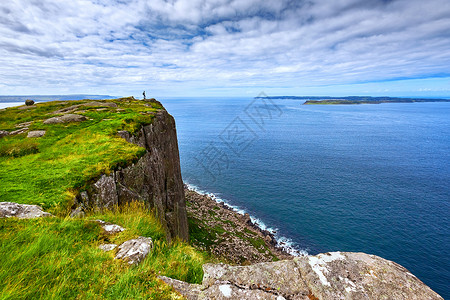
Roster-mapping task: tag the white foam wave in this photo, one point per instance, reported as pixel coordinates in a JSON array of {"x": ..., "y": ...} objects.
[{"x": 287, "y": 244}]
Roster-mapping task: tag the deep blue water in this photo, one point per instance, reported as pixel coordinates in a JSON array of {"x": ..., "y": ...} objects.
[{"x": 368, "y": 178}]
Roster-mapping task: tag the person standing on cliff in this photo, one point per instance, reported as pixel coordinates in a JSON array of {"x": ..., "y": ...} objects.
[{"x": 143, "y": 94}]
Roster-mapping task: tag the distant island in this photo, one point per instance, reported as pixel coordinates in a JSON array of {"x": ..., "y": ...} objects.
[{"x": 354, "y": 100}]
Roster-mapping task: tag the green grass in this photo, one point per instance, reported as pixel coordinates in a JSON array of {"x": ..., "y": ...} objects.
[
  {"x": 58, "y": 258},
  {"x": 50, "y": 170}
]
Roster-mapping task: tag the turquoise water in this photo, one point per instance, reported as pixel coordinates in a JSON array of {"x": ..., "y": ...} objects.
[{"x": 368, "y": 178}]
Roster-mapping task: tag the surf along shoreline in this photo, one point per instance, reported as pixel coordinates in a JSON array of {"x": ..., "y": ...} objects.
[{"x": 230, "y": 233}]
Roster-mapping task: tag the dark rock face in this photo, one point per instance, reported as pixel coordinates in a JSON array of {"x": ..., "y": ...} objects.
[
  {"x": 155, "y": 179},
  {"x": 29, "y": 102},
  {"x": 336, "y": 275}
]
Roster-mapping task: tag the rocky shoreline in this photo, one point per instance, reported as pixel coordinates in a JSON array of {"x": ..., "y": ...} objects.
[{"x": 225, "y": 233}]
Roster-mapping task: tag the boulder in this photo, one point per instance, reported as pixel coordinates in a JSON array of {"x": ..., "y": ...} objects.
[
  {"x": 29, "y": 102},
  {"x": 36, "y": 133},
  {"x": 336, "y": 275},
  {"x": 65, "y": 119},
  {"x": 135, "y": 250},
  {"x": 21, "y": 211}
]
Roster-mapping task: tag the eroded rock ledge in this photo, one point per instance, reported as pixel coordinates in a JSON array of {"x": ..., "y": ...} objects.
[
  {"x": 155, "y": 179},
  {"x": 336, "y": 275}
]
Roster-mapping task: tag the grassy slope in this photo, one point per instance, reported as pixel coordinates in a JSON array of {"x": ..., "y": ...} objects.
[
  {"x": 58, "y": 258},
  {"x": 48, "y": 170}
]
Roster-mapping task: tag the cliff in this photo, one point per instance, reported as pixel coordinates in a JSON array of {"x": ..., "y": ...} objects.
[
  {"x": 94, "y": 155},
  {"x": 155, "y": 179}
]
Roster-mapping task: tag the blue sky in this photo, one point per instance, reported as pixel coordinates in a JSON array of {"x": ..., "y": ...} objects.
[{"x": 225, "y": 47}]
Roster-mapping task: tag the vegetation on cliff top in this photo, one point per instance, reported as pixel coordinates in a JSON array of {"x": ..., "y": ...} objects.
[
  {"x": 49, "y": 170},
  {"x": 59, "y": 258}
]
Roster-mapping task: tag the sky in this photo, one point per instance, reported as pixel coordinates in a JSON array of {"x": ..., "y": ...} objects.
[{"x": 225, "y": 47}]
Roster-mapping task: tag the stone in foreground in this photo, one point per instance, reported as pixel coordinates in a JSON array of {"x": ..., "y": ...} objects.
[
  {"x": 336, "y": 275},
  {"x": 135, "y": 250},
  {"x": 65, "y": 119},
  {"x": 36, "y": 133},
  {"x": 21, "y": 211},
  {"x": 110, "y": 228}
]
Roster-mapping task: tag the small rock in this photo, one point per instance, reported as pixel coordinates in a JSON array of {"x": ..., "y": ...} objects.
[
  {"x": 109, "y": 227},
  {"x": 25, "y": 124},
  {"x": 29, "y": 102},
  {"x": 65, "y": 119},
  {"x": 3, "y": 133},
  {"x": 135, "y": 250},
  {"x": 36, "y": 133},
  {"x": 107, "y": 247},
  {"x": 19, "y": 131},
  {"x": 21, "y": 211}
]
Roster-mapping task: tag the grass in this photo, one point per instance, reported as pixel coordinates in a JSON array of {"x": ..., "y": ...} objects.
[
  {"x": 49, "y": 170},
  {"x": 58, "y": 258}
]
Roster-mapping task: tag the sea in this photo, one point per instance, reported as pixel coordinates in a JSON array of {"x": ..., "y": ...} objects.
[{"x": 371, "y": 178}]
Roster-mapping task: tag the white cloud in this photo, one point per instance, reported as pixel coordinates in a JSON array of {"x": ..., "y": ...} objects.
[{"x": 49, "y": 46}]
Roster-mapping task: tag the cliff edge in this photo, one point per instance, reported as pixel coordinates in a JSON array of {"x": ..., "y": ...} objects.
[{"x": 154, "y": 179}]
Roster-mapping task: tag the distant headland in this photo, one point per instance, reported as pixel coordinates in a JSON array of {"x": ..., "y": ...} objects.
[
  {"x": 327, "y": 100},
  {"x": 44, "y": 98}
]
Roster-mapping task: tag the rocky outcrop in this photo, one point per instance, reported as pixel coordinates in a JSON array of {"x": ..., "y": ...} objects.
[
  {"x": 21, "y": 211},
  {"x": 336, "y": 275},
  {"x": 65, "y": 119},
  {"x": 135, "y": 250},
  {"x": 229, "y": 235},
  {"x": 155, "y": 179}
]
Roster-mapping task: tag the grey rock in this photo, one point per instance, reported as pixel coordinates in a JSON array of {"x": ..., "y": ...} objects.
[
  {"x": 65, "y": 119},
  {"x": 135, "y": 250},
  {"x": 19, "y": 131},
  {"x": 104, "y": 192},
  {"x": 336, "y": 275},
  {"x": 155, "y": 179},
  {"x": 107, "y": 247},
  {"x": 29, "y": 102},
  {"x": 3, "y": 133},
  {"x": 36, "y": 133},
  {"x": 21, "y": 211},
  {"x": 110, "y": 228},
  {"x": 189, "y": 291},
  {"x": 25, "y": 124}
]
